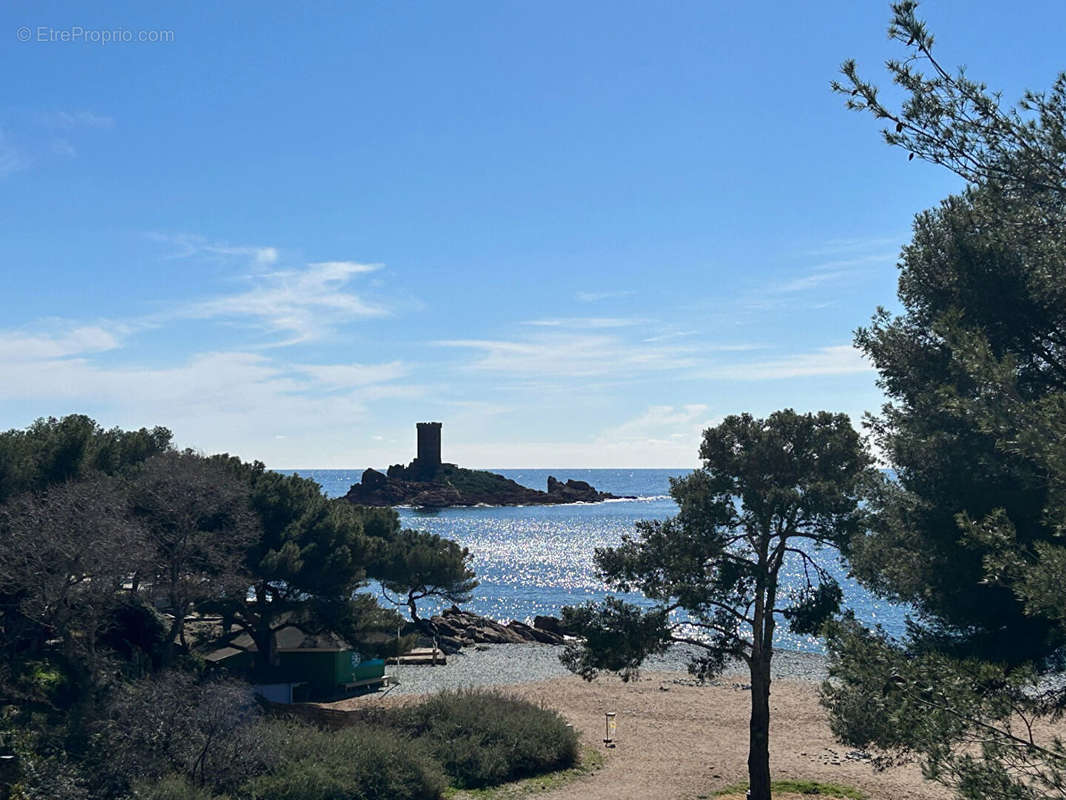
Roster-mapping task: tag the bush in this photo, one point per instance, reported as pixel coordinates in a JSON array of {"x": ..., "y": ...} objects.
[
  {"x": 487, "y": 738},
  {"x": 171, "y": 723},
  {"x": 46, "y": 682},
  {"x": 50, "y": 778},
  {"x": 172, "y": 787},
  {"x": 356, "y": 763},
  {"x": 137, "y": 633}
]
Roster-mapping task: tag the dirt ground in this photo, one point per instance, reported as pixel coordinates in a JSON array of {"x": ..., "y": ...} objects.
[{"x": 678, "y": 741}]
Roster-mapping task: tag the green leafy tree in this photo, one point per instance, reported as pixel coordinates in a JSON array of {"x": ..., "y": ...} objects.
[
  {"x": 772, "y": 492},
  {"x": 50, "y": 454},
  {"x": 977, "y": 725},
  {"x": 975, "y": 367},
  {"x": 973, "y": 300},
  {"x": 975, "y": 370},
  {"x": 307, "y": 561},
  {"x": 418, "y": 565},
  {"x": 54, "y": 450},
  {"x": 951, "y": 120}
]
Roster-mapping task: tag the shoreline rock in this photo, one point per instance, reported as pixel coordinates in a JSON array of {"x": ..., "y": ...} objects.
[{"x": 455, "y": 629}]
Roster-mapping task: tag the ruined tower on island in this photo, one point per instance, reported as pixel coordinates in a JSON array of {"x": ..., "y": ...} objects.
[
  {"x": 428, "y": 482},
  {"x": 428, "y": 460}
]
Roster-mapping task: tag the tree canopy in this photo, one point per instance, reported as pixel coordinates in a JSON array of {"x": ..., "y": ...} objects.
[
  {"x": 56, "y": 450},
  {"x": 975, "y": 366},
  {"x": 771, "y": 492},
  {"x": 196, "y": 518},
  {"x": 109, "y": 539},
  {"x": 951, "y": 120},
  {"x": 973, "y": 299},
  {"x": 418, "y": 565},
  {"x": 975, "y": 427},
  {"x": 64, "y": 556},
  {"x": 310, "y": 557}
]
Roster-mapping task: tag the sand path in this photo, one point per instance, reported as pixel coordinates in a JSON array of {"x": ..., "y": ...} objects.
[{"x": 678, "y": 741}]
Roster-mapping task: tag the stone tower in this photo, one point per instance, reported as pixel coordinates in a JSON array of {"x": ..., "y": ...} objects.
[{"x": 428, "y": 446}]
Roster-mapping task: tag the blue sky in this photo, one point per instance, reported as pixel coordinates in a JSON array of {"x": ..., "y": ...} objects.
[{"x": 576, "y": 233}]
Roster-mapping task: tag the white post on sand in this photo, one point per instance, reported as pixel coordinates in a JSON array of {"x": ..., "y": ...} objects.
[{"x": 609, "y": 728}]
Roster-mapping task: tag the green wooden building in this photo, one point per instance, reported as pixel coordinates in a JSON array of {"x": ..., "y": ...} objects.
[{"x": 309, "y": 666}]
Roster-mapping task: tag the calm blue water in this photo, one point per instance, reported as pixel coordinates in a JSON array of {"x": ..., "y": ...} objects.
[{"x": 536, "y": 559}]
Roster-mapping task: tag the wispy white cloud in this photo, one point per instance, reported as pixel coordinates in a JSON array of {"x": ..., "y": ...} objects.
[
  {"x": 831, "y": 272},
  {"x": 236, "y": 401},
  {"x": 811, "y": 281},
  {"x": 256, "y": 403},
  {"x": 844, "y": 245},
  {"x": 81, "y": 340},
  {"x": 300, "y": 304},
  {"x": 595, "y": 297},
  {"x": 661, "y": 436},
  {"x": 661, "y": 426},
  {"x": 40, "y": 136},
  {"x": 76, "y": 119},
  {"x": 192, "y": 246},
  {"x": 12, "y": 159},
  {"x": 346, "y": 376},
  {"x": 64, "y": 367},
  {"x": 584, "y": 322},
  {"x": 263, "y": 256},
  {"x": 668, "y": 335},
  {"x": 218, "y": 401},
  {"x": 836, "y": 360},
  {"x": 570, "y": 355}
]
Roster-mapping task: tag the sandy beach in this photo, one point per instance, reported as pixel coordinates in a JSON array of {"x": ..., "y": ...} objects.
[{"x": 679, "y": 740}]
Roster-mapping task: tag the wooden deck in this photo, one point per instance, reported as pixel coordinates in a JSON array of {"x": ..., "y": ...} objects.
[{"x": 420, "y": 655}]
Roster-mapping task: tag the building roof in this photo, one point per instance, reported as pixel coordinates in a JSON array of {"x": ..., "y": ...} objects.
[{"x": 289, "y": 638}]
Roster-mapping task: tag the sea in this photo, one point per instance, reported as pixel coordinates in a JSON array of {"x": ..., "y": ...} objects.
[{"x": 533, "y": 560}]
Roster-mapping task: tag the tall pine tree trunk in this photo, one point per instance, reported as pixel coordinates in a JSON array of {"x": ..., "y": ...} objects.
[
  {"x": 265, "y": 645},
  {"x": 170, "y": 649},
  {"x": 762, "y": 629},
  {"x": 759, "y": 730},
  {"x": 176, "y": 632}
]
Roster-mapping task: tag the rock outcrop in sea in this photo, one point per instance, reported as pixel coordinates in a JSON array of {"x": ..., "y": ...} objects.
[{"x": 428, "y": 483}]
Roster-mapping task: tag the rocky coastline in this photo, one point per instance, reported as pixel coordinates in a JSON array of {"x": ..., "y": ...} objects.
[
  {"x": 483, "y": 652},
  {"x": 454, "y": 629},
  {"x": 448, "y": 485}
]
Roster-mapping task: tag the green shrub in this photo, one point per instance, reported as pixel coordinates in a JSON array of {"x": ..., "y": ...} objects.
[
  {"x": 172, "y": 787},
  {"x": 45, "y": 681},
  {"x": 356, "y": 763},
  {"x": 487, "y": 738}
]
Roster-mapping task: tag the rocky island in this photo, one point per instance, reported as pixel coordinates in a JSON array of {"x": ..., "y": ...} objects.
[{"x": 429, "y": 483}]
